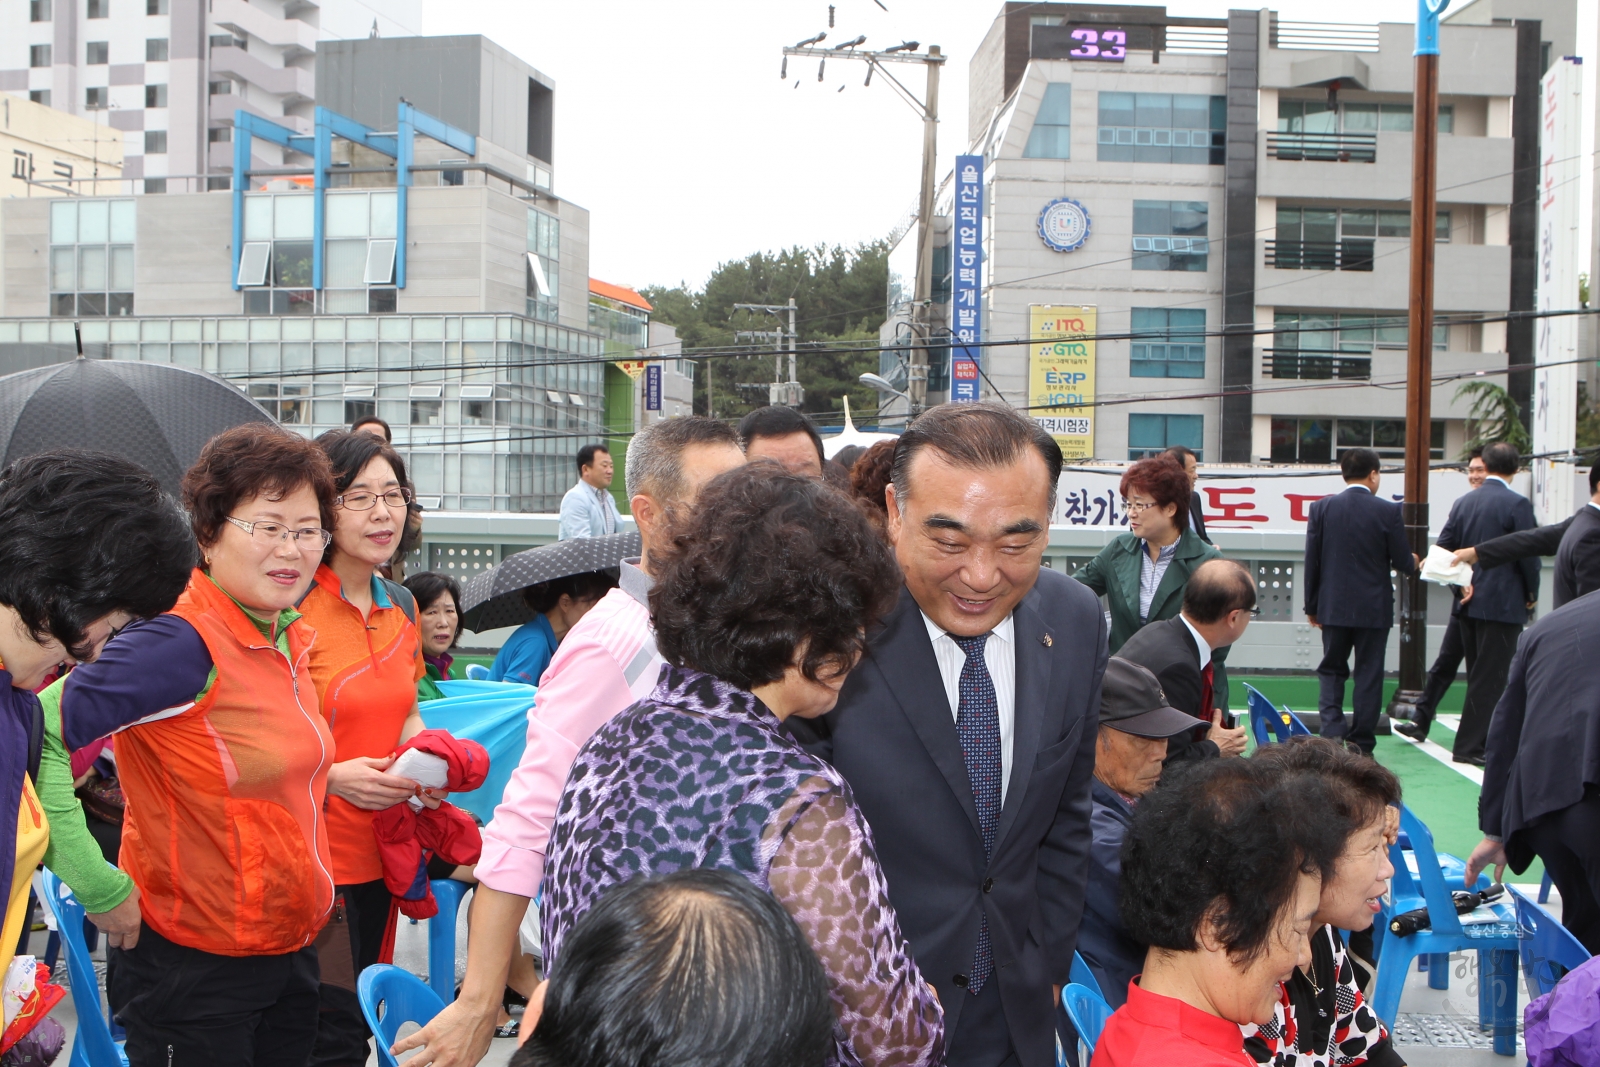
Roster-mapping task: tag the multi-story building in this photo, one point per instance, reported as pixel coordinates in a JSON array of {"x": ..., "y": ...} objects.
[
  {"x": 50, "y": 153},
  {"x": 1188, "y": 177},
  {"x": 169, "y": 74},
  {"x": 409, "y": 261}
]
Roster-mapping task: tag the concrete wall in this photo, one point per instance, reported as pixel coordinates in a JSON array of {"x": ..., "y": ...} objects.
[
  {"x": 182, "y": 258},
  {"x": 444, "y": 256},
  {"x": 24, "y": 257}
]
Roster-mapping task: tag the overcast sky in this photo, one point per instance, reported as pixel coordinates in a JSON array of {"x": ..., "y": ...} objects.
[{"x": 675, "y": 131}]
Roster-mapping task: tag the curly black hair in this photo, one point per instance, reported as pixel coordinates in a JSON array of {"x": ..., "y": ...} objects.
[
  {"x": 1224, "y": 841},
  {"x": 770, "y": 563},
  {"x": 84, "y": 534},
  {"x": 1358, "y": 787}
]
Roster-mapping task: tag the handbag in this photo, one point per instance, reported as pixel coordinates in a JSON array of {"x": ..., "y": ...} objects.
[
  {"x": 334, "y": 954},
  {"x": 102, "y": 798}
]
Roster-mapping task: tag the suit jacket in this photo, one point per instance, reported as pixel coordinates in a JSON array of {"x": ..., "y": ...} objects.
[
  {"x": 1578, "y": 559},
  {"x": 1353, "y": 538},
  {"x": 1197, "y": 518},
  {"x": 1169, "y": 651},
  {"x": 1508, "y": 548},
  {"x": 1544, "y": 739},
  {"x": 1494, "y": 508},
  {"x": 1114, "y": 574},
  {"x": 588, "y": 512},
  {"x": 893, "y": 737}
]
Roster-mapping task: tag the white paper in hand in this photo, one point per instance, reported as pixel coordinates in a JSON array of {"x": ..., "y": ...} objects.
[
  {"x": 424, "y": 768},
  {"x": 1440, "y": 566}
]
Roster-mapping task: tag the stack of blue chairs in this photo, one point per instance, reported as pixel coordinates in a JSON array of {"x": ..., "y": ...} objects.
[
  {"x": 93, "y": 1044},
  {"x": 1080, "y": 1016}
]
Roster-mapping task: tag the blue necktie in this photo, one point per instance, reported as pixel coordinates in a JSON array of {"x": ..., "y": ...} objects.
[{"x": 978, "y": 725}]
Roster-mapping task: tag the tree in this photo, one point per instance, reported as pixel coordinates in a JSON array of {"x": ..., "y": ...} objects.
[
  {"x": 1494, "y": 416},
  {"x": 840, "y": 295}
]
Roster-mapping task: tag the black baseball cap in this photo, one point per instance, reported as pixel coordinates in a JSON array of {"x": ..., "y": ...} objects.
[{"x": 1131, "y": 701}]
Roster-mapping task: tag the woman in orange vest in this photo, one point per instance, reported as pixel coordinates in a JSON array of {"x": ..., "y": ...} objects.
[
  {"x": 224, "y": 759},
  {"x": 366, "y": 664}
]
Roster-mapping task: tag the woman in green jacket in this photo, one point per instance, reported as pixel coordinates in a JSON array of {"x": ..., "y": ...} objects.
[{"x": 1142, "y": 573}]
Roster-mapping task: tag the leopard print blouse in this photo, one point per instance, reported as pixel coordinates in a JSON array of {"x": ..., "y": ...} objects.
[{"x": 700, "y": 774}]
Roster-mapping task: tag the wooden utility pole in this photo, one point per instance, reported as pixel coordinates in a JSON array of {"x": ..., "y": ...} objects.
[{"x": 1419, "y": 348}]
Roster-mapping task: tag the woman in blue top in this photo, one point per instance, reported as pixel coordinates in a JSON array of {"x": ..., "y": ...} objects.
[{"x": 560, "y": 603}]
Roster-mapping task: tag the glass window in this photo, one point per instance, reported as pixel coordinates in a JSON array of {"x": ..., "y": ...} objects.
[
  {"x": 155, "y": 96},
  {"x": 155, "y": 142},
  {"x": 39, "y": 96},
  {"x": 1161, "y": 127},
  {"x": 99, "y": 9},
  {"x": 1167, "y": 343},
  {"x": 96, "y": 97},
  {"x": 344, "y": 265},
  {"x": 1149, "y": 435},
  {"x": 155, "y": 50},
  {"x": 346, "y": 215},
  {"x": 292, "y": 214},
  {"x": 91, "y": 265},
  {"x": 63, "y": 222},
  {"x": 97, "y": 52},
  {"x": 1051, "y": 137},
  {"x": 39, "y": 55},
  {"x": 258, "y": 218},
  {"x": 425, "y": 412},
  {"x": 1447, "y": 118},
  {"x": 38, "y": 10},
  {"x": 291, "y": 263},
  {"x": 383, "y": 214},
  {"x": 380, "y": 263},
  {"x": 1169, "y": 235}
]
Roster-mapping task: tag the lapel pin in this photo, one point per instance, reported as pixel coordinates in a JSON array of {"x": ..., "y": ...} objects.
[{"x": 1047, "y": 641}]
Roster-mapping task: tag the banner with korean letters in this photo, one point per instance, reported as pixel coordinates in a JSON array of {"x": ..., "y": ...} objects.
[
  {"x": 1061, "y": 375},
  {"x": 966, "y": 284}
]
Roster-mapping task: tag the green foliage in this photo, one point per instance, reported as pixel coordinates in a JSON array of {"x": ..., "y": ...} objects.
[
  {"x": 1588, "y": 433},
  {"x": 1494, "y": 416},
  {"x": 839, "y": 295}
]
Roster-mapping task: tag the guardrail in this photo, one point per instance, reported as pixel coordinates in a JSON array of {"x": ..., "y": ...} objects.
[
  {"x": 1299, "y": 364},
  {"x": 1324, "y": 147},
  {"x": 1352, "y": 253},
  {"x": 1324, "y": 36}
]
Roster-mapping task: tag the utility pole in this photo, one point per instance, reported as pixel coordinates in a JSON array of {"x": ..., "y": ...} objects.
[
  {"x": 928, "y": 110},
  {"x": 1419, "y": 349},
  {"x": 781, "y": 392}
]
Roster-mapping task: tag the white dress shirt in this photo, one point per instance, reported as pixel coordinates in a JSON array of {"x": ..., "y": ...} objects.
[
  {"x": 1000, "y": 655},
  {"x": 1200, "y": 642}
]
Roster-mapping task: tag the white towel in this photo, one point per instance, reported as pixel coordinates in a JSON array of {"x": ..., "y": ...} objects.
[{"x": 1440, "y": 566}]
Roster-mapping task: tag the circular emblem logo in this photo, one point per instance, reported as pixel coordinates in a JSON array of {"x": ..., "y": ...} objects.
[{"x": 1064, "y": 224}]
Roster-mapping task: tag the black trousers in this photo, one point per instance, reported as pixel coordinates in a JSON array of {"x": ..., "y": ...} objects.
[
  {"x": 187, "y": 1008},
  {"x": 1442, "y": 675},
  {"x": 1568, "y": 841},
  {"x": 342, "y": 1033},
  {"x": 981, "y": 1037},
  {"x": 1489, "y": 648},
  {"x": 1369, "y": 644}
]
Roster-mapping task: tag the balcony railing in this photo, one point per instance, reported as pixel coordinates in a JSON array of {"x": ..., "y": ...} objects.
[
  {"x": 1324, "y": 147},
  {"x": 1316, "y": 365},
  {"x": 1353, "y": 253}
]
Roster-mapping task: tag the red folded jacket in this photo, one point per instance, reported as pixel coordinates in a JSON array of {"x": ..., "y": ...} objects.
[{"x": 406, "y": 838}]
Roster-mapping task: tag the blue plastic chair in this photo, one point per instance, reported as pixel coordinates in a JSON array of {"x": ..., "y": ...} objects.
[
  {"x": 1079, "y": 975},
  {"x": 1082, "y": 975},
  {"x": 1088, "y": 1011},
  {"x": 92, "y": 1045},
  {"x": 1549, "y": 950},
  {"x": 1497, "y": 944},
  {"x": 442, "y": 937},
  {"x": 390, "y": 998},
  {"x": 1544, "y": 888},
  {"x": 1268, "y": 723}
]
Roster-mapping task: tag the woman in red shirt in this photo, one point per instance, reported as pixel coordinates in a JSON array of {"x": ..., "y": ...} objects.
[
  {"x": 1221, "y": 878},
  {"x": 365, "y": 664}
]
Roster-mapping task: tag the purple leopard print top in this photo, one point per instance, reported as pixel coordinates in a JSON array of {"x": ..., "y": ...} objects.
[{"x": 700, "y": 774}]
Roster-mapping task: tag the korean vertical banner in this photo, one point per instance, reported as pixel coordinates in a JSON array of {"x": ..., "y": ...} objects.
[
  {"x": 652, "y": 387},
  {"x": 1061, "y": 375},
  {"x": 1555, "y": 376},
  {"x": 966, "y": 291}
]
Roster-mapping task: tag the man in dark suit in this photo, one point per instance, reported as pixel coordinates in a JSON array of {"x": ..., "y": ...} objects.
[
  {"x": 1539, "y": 787},
  {"x": 1574, "y": 541},
  {"x": 1191, "y": 467},
  {"x": 1219, "y": 601},
  {"x": 967, "y": 731},
  {"x": 1493, "y": 615},
  {"x": 1353, "y": 539}
]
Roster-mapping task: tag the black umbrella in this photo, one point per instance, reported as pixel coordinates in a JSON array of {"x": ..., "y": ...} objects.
[
  {"x": 155, "y": 414},
  {"x": 494, "y": 598}
]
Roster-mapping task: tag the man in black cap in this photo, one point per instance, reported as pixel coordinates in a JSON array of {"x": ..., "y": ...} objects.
[{"x": 1136, "y": 720}]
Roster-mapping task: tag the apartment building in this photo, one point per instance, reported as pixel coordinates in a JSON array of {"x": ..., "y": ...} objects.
[
  {"x": 170, "y": 74},
  {"x": 409, "y": 261},
  {"x": 1183, "y": 177}
]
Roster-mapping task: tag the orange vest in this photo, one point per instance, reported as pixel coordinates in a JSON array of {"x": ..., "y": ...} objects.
[
  {"x": 224, "y": 830},
  {"x": 366, "y": 675}
]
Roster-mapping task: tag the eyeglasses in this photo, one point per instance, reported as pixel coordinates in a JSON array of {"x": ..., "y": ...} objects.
[
  {"x": 394, "y": 498},
  {"x": 275, "y": 533},
  {"x": 1134, "y": 507}
]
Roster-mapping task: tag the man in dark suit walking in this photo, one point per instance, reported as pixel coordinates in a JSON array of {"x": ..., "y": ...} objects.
[
  {"x": 967, "y": 732},
  {"x": 1353, "y": 539},
  {"x": 1219, "y": 601},
  {"x": 1493, "y": 615},
  {"x": 1191, "y": 467},
  {"x": 1574, "y": 541}
]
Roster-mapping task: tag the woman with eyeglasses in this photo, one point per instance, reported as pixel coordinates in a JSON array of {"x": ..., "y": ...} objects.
[
  {"x": 223, "y": 758},
  {"x": 365, "y": 664}
]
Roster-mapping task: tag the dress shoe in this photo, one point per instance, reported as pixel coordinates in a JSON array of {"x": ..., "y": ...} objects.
[
  {"x": 1475, "y": 761},
  {"x": 1415, "y": 731}
]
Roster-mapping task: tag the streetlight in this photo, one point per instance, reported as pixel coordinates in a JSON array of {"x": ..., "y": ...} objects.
[{"x": 881, "y": 384}]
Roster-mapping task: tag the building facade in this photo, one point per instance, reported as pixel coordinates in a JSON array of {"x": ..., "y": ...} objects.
[
  {"x": 1251, "y": 176},
  {"x": 50, "y": 153},
  {"x": 170, "y": 74},
  {"x": 429, "y": 277}
]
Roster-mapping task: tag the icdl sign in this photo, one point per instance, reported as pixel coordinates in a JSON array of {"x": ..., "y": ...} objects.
[{"x": 1064, "y": 224}]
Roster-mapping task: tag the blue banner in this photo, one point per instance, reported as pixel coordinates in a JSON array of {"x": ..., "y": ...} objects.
[
  {"x": 652, "y": 387},
  {"x": 966, "y": 290}
]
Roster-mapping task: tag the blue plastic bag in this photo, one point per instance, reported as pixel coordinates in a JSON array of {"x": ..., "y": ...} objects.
[
  {"x": 494, "y": 714},
  {"x": 1562, "y": 1028}
]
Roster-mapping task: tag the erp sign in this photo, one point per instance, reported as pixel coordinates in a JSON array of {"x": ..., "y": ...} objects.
[
  {"x": 652, "y": 387},
  {"x": 966, "y": 291}
]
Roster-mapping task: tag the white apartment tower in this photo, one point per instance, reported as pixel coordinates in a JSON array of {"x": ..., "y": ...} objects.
[{"x": 171, "y": 73}]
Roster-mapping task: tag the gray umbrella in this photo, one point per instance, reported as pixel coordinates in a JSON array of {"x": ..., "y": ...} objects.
[
  {"x": 494, "y": 598},
  {"x": 155, "y": 414}
]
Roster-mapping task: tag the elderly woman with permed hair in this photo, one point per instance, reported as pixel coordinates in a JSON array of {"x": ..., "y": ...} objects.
[{"x": 761, "y": 611}]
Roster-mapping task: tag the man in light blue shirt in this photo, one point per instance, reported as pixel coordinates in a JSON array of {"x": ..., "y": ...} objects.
[{"x": 588, "y": 510}]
